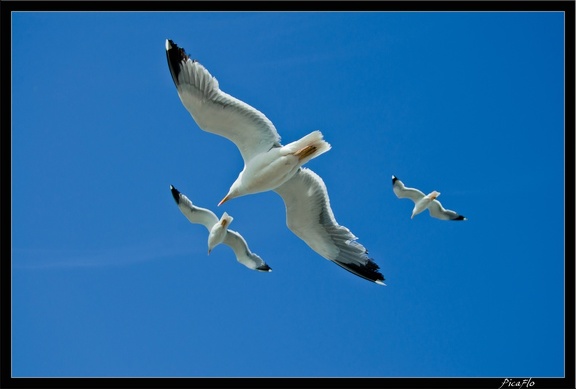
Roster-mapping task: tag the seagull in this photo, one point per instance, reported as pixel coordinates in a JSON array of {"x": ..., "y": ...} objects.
[
  {"x": 219, "y": 232},
  {"x": 268, "y": 165},
  {"x": 423, "y": 202}
]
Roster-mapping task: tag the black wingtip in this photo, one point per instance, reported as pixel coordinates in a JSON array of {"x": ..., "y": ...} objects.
[
  {"x": 394, "y": 179},
  {"x": 460, "y": 217},
  {"x": 370, "y": 271},
  {"x": 175, "y": 55},
  {"x": 175, "y": 194},
  {"x": 264, "y": 268}
]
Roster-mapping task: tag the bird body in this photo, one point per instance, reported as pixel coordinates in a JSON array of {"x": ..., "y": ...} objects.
[
  {"x": 218, "y": 231},
  {"x": 267, "y": 171},
  {"x": 424, "y": 203},
  {"x": 268, "y": 165}
]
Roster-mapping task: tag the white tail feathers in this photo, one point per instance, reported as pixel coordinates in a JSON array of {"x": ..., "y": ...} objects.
[
  {"x": 226, "y": 219},
  {"x": 309, "y": 146}
]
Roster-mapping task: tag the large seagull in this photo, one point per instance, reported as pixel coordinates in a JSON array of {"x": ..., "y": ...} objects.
[{"x": 268, "y": 165}]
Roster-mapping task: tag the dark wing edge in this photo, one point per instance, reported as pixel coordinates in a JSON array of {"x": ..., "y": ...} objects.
[
  {"x": 243, "y": 254},
  {"x": 305, "y": 188}
]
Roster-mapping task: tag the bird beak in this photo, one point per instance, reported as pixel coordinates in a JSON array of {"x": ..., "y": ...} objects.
[{"x": 224, "y": 200}]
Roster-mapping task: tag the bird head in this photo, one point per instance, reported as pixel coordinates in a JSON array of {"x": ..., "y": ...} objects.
[{"x": 232, "y": 193}]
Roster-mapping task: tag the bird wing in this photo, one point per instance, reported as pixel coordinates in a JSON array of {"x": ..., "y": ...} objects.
[
  {"x": 403, "y": 192},
  {"x": 194, "y": 214},
  {"x": 309, "y": 216},
  {"x": 438, "y": 211},
  {"x": 243, "y": 253},
  {"x": 217, "y": 112}
]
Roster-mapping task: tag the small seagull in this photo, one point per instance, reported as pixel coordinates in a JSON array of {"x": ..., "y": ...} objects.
[
  {"x": 422, "y": 201},
  {"x": 219, "y": 232}
]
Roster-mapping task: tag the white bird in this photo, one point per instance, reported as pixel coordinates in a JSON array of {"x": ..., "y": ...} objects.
[
  {"x": 423, "y": 202},
  {"x": 270, "y": 166},
  {"x": 219, "y": 232}
]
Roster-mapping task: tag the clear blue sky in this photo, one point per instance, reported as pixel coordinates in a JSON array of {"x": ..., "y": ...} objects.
[{"x": 110, "y": 280}]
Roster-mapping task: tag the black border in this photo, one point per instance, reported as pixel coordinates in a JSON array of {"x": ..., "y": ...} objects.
[{"x": 7, "y": 7}]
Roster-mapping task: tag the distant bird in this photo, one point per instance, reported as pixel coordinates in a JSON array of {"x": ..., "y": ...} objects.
[
  {"x": 219, "y": 232},
  {"x": 422, "y": 201},
  {"x": 270, "y": 166}
]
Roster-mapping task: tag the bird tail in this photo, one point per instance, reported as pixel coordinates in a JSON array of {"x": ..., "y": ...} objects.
[
  {"x": 309, "y": 146},
  {"x": 226, "y": 220}
]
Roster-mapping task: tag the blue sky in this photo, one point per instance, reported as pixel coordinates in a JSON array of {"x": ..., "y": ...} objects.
[{"x": 110, "y": 280}]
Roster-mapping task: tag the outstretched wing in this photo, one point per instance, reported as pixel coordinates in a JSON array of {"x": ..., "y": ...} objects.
[
  {"x": 438, "y": 211},
  {"x": 194, "y": 214},
  {"x": 243, "y": 253},
  {"x": 309, "y": 216},
  {"x": 403, "y": 192},
  {"x": 217, "y": 112}
]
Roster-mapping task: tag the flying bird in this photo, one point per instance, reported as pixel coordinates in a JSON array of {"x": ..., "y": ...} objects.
[
  {"x": 423, "y": 202},
  {"x": 268, "y": 165},
  {"x": 219, "y": 232}
]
